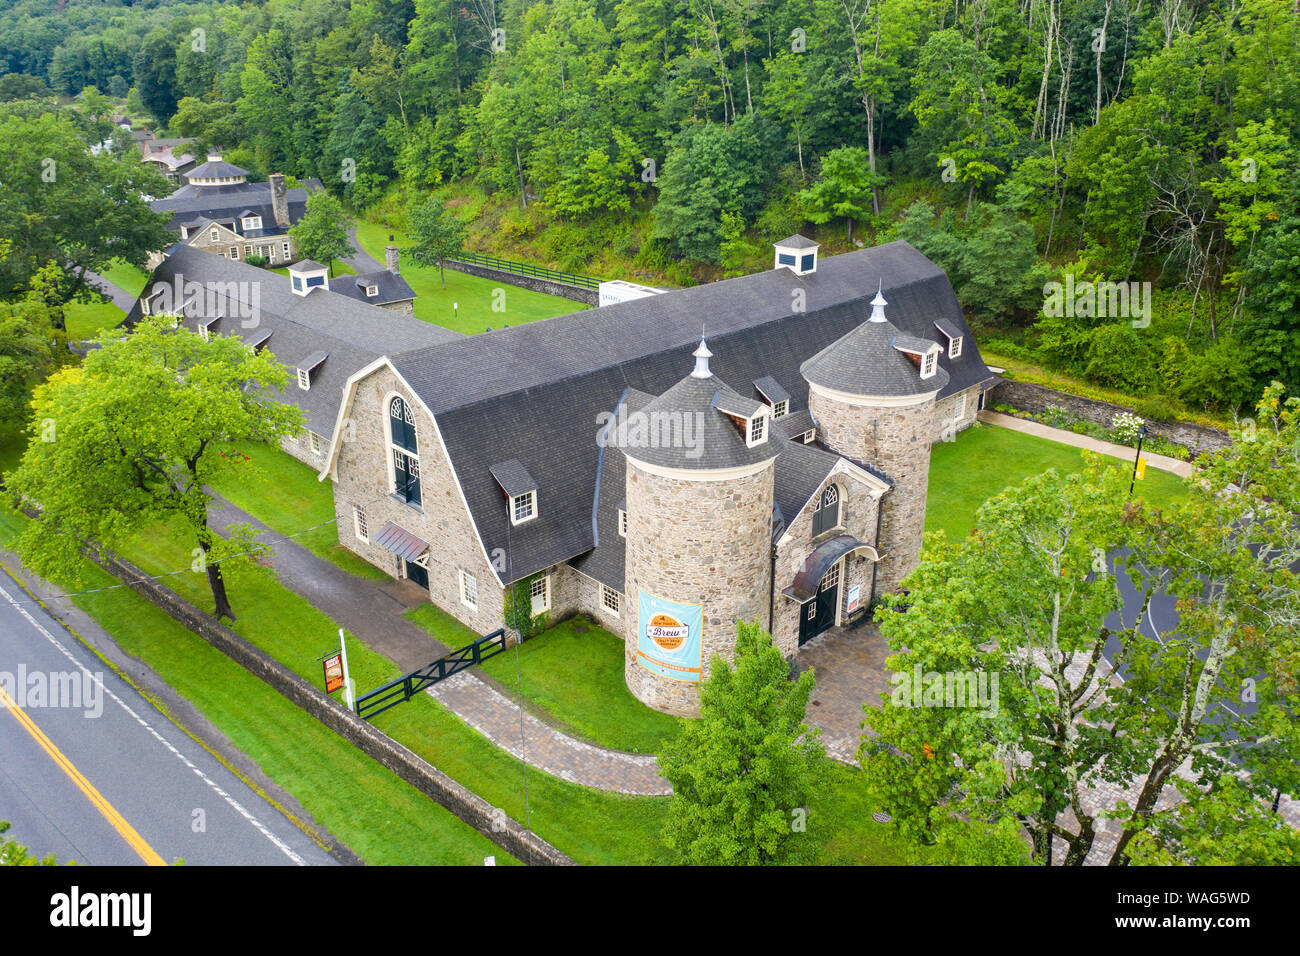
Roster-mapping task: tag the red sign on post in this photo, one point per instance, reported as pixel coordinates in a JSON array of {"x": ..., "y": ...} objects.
[{"x": 333, "y": 673}]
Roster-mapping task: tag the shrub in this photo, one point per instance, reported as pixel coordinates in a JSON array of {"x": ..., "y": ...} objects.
[
  {"x": 1120, "y": 358},
  {"x": 256, "y": 260},
  {"x": 1160, "y": 408},
  {"x": 1125, "y": 426},
  {"x": 1057, "y": 416}
]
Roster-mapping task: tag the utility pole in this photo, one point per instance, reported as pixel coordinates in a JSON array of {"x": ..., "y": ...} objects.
[{"x": 1142, "y": 433}]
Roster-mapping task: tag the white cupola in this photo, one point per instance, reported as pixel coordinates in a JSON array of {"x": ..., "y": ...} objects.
[
  {"x": 306, "y": 275},
  {"x": 878, "y": 305},
  {"x": 797, "y": 253}
]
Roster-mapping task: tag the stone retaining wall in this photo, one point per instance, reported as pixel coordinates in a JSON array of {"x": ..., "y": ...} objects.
[
  {"x": 428, "y": 779},
  {"x": 587, "y": 296},
  {"x": 1035, "y": 398}
]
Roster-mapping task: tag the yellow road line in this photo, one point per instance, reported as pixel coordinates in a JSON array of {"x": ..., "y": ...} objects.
[{"x": 115, "y": 819}]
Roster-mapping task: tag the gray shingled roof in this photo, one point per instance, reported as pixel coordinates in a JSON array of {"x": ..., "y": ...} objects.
[
  {"x": 687, "y": 427},
  {"x": 513, "y": 477},
  {"x": 771, "y": 390},
  {"x": 216, "y": 169},
  {"x": 800, "y": 470},
  {"x": 866, "y": 362},
  {"x": 797, "y": 242},
  {"x": 306, "y": 265},
  {"x": 392, "y": 287},
  {"x": 947, "y": 328},
  {"x": 540, "y": 387},
  {"x": 226, "y": 202},
  {"x": 353, "y": 333}
]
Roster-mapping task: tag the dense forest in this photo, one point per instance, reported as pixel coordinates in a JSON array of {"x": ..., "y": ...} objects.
[{"x": 1016, "y": 142}]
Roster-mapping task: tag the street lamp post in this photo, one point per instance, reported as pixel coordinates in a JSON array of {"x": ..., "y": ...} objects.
[{"x": 1142, "y": 433}]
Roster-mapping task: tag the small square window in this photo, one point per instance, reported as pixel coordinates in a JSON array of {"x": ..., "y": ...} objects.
[
  {"x": 359, "y": 523},
  {"x": 372, "y": 291},
  {"x": 539, "y": 593},
  {"x": 610, "y": 600},
  {"x": 468, "y": 590},
  {"x": 522, "y": 507},
  {"x": 781, "y": 408},
  {"x": 622, "y": 523},
  {"x": 809, "y": 436}
]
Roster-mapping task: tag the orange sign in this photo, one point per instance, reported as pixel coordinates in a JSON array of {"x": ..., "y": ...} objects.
[
  {"x": 333, "y": 673},
  {"x": 666, "y": 631}
]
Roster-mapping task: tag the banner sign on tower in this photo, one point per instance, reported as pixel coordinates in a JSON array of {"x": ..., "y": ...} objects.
[{"x": 669, "y": 637}]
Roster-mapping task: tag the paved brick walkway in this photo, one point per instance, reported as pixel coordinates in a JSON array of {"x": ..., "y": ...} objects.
[{"x": 372, "y": 611}]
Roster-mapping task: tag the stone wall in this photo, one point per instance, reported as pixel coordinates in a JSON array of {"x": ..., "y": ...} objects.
[
  {"x": 300, "y": 447},
  {"x": 1035, "y": 398},
  {"x": 588, "y": 296},
  {"x": 696, "y": 542},
  {"x": 409, "y": 766},
  {"x": 947, "y": 421},
  {"x": 364, "y": 477},
  {"x": 896, "y": 439},
  {"x": 859, "y": 504}
]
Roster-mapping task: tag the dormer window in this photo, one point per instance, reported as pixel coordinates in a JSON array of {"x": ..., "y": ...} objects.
[
  {"x": 757, "y": 433},
  {"x": 519, "y": 487},
  {"x": 781, "y": 408},
  {"x": 622, "y": 523},
  {"x": 929, "y": 362},
  {"x": 954, "y": 348},
  {"x": 372, "y": 291},
  {"x": 772, "y": 395},
  {"x": 252, "y": 222},
  {"x": 952, "y": 334},
  {"x": 307, "y": 366}
]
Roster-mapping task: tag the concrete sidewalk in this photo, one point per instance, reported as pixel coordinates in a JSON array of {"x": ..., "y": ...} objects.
[
  {"x": 373, "y": 611},
  {"x": 1182, "y": 469}
]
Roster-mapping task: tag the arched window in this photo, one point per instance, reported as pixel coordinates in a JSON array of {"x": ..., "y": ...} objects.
[
  {"x": 405, "y": 451},
  {"x": 826, "y": 510}
]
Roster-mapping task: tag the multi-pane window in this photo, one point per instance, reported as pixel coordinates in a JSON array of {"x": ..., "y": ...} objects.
[
  {"x": 406, "y": 461},
  {"x": 522, "y": 507},
  {"x": 214, "y": 235},
  {"x": 757, "y": 429},
  {"x": 809, "y": 436},
  {"x": 928, "y": 363},
  {"x": 539, "y": 593},
  {"x": 234, "y": 252},
  {"x": 826, "y": 510},
  {"x": 959, "y": 406},
  {"x": 781, "y": 408},
  {"x": 832, "y": 578},
  {"x": 359, "y": 521},
  {"x": 954, "y": 348},
  {"x": 468, "y": 590},
  {"x": 315, "y": 444},
  {"x": 622, "y": 522},
  {"x": 610, "y": 600},
  {"x": 304, "y": 379}
]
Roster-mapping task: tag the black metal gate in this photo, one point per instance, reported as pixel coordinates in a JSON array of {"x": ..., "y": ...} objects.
[{"x": 404, "y": 688}]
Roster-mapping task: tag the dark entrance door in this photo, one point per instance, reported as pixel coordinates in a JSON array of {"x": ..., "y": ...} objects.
[
  {"x": 819, "y": 613},
  {"x": 418, "y": 574}
]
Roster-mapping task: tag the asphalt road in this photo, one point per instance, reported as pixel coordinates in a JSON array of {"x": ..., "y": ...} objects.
[{"x": 91, "y": 771}]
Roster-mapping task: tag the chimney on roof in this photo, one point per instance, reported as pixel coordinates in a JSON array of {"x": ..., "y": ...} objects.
[
  {"x": 279, "y": 200},
  {"x": 390, "y": 256}
]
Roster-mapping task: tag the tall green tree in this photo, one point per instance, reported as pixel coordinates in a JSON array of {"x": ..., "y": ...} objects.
[
  {"x": 324, "y": 231},
  {"x": 742, "y": 771},
  {"x": 134, "y": 437},
  {"x": 844, "y": 188},
  {"x": 436, "y": 235}
]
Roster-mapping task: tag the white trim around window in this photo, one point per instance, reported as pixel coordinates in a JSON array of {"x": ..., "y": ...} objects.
[
  {"x": 304, "y": 379},
  {"x": 539, "y": 595},
  {"x": 954, "y": 348},
  {"x": 959, "y": 406},
  {"x": 756, "y": 431},
  {"x": 468, "y": 589},
  {"x": 316, "y": 446},
  {"x": 929, "y": 364},
  {"x": 611, "y": 602},
  {"x": 622, "y": 523},
  {"x": 359, "y": 523},
  {"x": 523, "y": 507}
]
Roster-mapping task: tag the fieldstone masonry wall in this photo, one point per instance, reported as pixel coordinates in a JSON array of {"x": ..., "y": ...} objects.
[
  {"x": 696, "y": 542},
  {"x": 364, "y": 476},
  {"x": 588, "y": 296},
  {"x": 1036, "y": 398},
  {"x": 896, "y": 439}
]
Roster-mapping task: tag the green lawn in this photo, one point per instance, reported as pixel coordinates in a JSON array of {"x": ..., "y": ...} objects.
[
  {"x": 371, "y": 810},
  {"x": 986, "y": 459},
  {"x": 283, "y": 493},
  {"x": 578, "y": 677},
  {"x": 85, "y": 320},
  {"x": 474, "y": 296}
]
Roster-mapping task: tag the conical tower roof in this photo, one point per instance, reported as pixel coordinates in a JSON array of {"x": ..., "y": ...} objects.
[
  {"x": 699, "y": 424},
  {"x": 875, "y": 360}
]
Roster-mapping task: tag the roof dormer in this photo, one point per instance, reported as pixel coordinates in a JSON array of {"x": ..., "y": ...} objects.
[
  {"x": 307, "y": 275},
  {"x": 751, "y": 417},
  {"x": 307, "y": 368},
  {"x": 923, "y": 352},
  {"x": 520, "y": 487},
  {"x": 776, "y": 398},
  {"x": 797, "y": 253}
]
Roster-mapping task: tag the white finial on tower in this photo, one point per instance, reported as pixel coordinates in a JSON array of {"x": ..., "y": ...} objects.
[
  {"x": 702, "y": 356},
  {"x": 878, "y": 305}
]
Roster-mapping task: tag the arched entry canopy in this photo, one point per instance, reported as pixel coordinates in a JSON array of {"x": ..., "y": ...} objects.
[{"x": 822, "y": 559}]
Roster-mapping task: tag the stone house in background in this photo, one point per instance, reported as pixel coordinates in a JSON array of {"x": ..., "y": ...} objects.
[
  {"x": 169, "y": 157},
  {"x": 219, "y": 211},
  {"x": 619, "y": 463}
]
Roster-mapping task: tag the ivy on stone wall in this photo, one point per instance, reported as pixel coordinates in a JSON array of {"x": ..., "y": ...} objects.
[{"x": 518, "y": 613}]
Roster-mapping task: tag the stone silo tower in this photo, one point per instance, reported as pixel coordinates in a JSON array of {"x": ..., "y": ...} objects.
[
  {"x": 872, "y": 393},
  {"x": 699, "y": 531}
]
